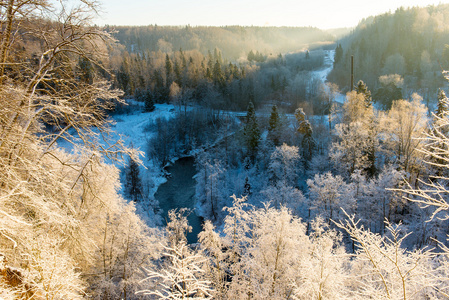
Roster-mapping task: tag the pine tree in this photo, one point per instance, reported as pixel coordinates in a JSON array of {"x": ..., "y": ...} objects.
[
  {"x": 442, "y": 108},
  {"x": 133, "y": 183},
  {"x": 251, "y": 131},
  {"x": 251, "y": 56},
  {"x": 274, "y": 126},
  {"x": 273, "y": 85},
  {"x": 177, "y": 71},
  {"x": 338, "y": 54},
  {"x": 284, "y": 84},
  {"x": 361, "y": 88},
  {"x": 217, "y": 74},
  {"x": 308, "y": 142},
  {"x": 149, "y": 102},
  {"x": 168, "y": 71}
]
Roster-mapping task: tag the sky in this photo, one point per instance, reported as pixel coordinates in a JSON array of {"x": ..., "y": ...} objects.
[{"x": 324, "y": 14}]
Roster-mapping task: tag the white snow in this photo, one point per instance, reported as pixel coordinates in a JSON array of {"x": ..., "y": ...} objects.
[
  {"x": 322, "y": 74},
  {"x": 134, "y": 127},
  {"x": 328, "y": 66}
]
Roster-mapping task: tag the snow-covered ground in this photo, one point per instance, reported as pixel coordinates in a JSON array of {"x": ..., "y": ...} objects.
[
  {"x": 328, "y": 65},
  {"x": 134, "y": 127},
  {"x": 322, "y": 74}
]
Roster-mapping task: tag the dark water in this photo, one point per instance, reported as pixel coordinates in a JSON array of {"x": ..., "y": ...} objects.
[{"x": 178, "y": 192}]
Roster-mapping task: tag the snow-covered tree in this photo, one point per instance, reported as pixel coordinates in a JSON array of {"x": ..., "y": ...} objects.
[
  {"x": 403, "y": 131},
  {"x": 126, "y": 250},
  {"x": 283, "y": 164},
  {"x": 308, "y": 142},
  {"x": 283, "y": 194},
  {"x": 217, "y": 267},
  {"x": 54, "y": 204},
  {"x": 251, "y": 132},
  {"x": 350, "y": 152},
  {"x": 274, "y": 126},
  {"x": 442, "y": 106},
  {"x": 357, "y": 142},
  {"x": 270, "y": 245},
  {"x": 441, "y": 129},
  {"x": 355, "y": 108},
  {"x": 361, "y": 88},
  {"x": 383, "y": 269},
  {"x": 181, "y": 273},
  {"x": 178, "y": 227},
  {"x": 328, "y": 193},
  {"x": 266, "y": 254},
  {"x": 210, "y": 185},
  {"x": 182, "y": 277},
  {"x": 323, "y": 274}
]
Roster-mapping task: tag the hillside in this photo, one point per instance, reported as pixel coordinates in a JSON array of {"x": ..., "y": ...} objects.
[{"x": 410, "y": 42}]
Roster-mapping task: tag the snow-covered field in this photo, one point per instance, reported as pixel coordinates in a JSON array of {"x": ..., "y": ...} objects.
[{"x": 133, "y": 128}]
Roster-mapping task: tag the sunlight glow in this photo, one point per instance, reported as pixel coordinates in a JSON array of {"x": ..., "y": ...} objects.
[{"x": 323, "y": 14}]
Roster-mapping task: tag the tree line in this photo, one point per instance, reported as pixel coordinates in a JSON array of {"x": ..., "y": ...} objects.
[
  {"x": 234, "y": 41},
  {"x": 189, "y": 77}
]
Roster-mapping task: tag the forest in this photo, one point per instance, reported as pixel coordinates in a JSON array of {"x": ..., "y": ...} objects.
[
  {"x": 212, "y": 78},
  {"x": 411, "y": 43},
  {"x": 302, "y": 195}
]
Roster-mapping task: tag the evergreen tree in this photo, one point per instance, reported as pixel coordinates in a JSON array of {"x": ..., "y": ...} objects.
[
  {"x": 133, "y": 182},
  {"x": 389, "y": 91},
  {"x": 445, "y": 56},
  {"x": 210, "y": 64},
  {"x": 160, "y": 91},
  {"x": 149, "y": 102},
  {"x": 246, "y": 187},
  {"x": 168, "y": 71},
  {"x": 177, "y": 71},
  {"x": 338, "y": 54},
  {"x": 122, "y": 77},
  {"x": 442, "y": 108},
  {"x": 308, "y": 143},
  {"x": 251, "y": 131},
  {"x": 251, "y": 56},
  {"x": 273, "y": 85},
  {"x": 361, "y": 88},
  {"x": 86, "y": 71},
  {"x": 217, "y": 74},
  {"x": 274, "y": 126},
  {"x": 284, "y": 85},
  {"x": 440, "y": 129}
]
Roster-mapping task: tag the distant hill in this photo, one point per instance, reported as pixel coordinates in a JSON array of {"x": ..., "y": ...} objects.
[
  {"x": 339, "y": 33},
  {"x": 410, "y": 42},
  {"x": 233, "y": 41}
]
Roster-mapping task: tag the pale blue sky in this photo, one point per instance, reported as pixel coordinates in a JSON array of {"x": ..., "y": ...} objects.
[{"x": 323, "y": 14}]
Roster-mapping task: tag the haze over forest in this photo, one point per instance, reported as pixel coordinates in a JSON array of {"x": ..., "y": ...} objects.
[{"x": 223, "y": 162}]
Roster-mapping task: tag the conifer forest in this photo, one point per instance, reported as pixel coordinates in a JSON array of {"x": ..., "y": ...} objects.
[{"x": 222, "y": 162}]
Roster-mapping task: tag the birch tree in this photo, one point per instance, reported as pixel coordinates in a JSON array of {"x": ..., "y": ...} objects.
[{"x": 46, "y": 99}]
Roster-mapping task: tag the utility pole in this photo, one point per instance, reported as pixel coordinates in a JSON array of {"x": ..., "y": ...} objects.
[{"x": 352, "y": 72}]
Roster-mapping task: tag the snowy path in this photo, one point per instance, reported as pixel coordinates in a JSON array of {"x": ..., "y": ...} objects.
[{"x": 322, "y": 74}]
